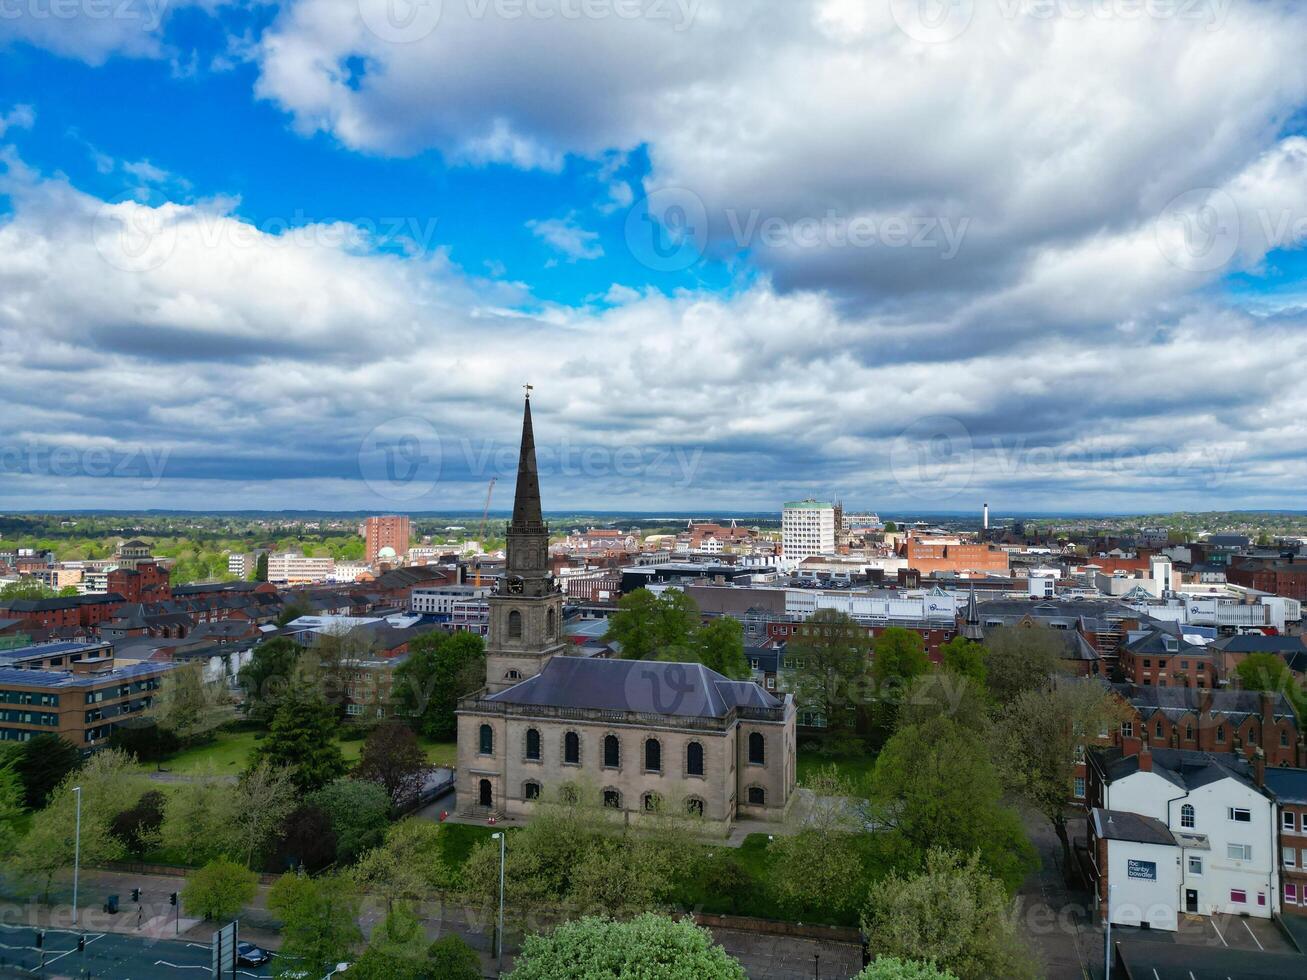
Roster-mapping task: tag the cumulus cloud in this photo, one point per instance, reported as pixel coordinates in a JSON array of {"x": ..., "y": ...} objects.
[{"x": 568, "y": 237}]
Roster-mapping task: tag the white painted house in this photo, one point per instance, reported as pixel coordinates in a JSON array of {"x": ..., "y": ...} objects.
[{"x": 1222, "y": 825}]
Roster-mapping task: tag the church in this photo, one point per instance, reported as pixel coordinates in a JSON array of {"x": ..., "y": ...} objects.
[{"x": 643, "y": 735}]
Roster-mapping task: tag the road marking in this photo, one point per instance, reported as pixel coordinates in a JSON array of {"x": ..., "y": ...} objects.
[
  {"x": 89, "y": 940},
  {"x": 1155, "y": 976},
  {"x": 1218, "y": 935},
  {"x": 1255, "y": 939},
  {"x": 182, "y": 966}
]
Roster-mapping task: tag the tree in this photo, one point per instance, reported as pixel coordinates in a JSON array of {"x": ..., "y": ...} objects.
[
  {"x": 891, "y": 527},
  {"x": 934, "y": 787},
  {"x": 450, "y": 958},
  {"x": 1270, "y": 672},
  {"x": 393, "y": 759},
  {"x": 11, "y": 807},
  {"x": 138, "y": 826},
  {"x": 42, "y": 764},
  {"x": 145, "y": 739},
  {"x": 261, "y": 567},
  {"x": 898, "y": 658},
  {"x": 649, "y": 627},
  {"x": 1042, "y": 736},
  {"x": 187, "y": 706},
  {"x": 219, "y": 890},
  {"x": 307, "y": 842},
  {"x": 408, "y": 865},
  {"x": 319, "y": 923},
  {"x": 952, "y": 915},
  {"x": 264, "y": 798},
  {"x": 831, "y": 656},
  {"x": 893, "y": 968},
  {"x": 440, "y": 668},
  {"x": 719, "y": 646},
  {"x": 949, "y": 695},
  {"x": 265, "y": 678},
  {"x": 359, "y": 813},
  {"x": 965, "y": 658},
  {"x": 26, "y": 588},
  {"x": 648, "y": 945},
  {"x": 1019, "y": 658},
  {"x": 302, "y": 738},
  {"x": 817, "y": 870}
]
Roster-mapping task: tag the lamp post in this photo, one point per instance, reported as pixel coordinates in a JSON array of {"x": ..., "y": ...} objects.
[
  {"x": 499, "y": 931},
  {"x": 77, "y": 849},
  {"x": 1107, "y": 953}
]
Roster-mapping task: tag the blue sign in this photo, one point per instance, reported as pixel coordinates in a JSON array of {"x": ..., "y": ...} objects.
[{"x": 1141, "y": 869}]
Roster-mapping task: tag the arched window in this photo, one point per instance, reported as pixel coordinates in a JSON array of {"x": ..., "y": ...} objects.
[
  {"x": 651, "y": 802},
  {"x": 572, "y": 749},
  {"x": 757, "y": 796},
  {"x": 757, "y": 749},
  {"x": 533, "y": 744},
  {"x": 487, "y": 740},
  {"x": 1252, "y": 735},
  {"x": 551, "y": 626},
  {"x": 653, "y": 755},
  {"x": 612, "y": 799},
  {"x": 1188, "y": 733},
  {"x": 612, "y": 752},
  {"x": 694, "y": 759},
  {"x": 694, "y": 806},
  {"x": 1157, "y": 729},
  {"x": 486, "y": 796},
  {"x": 515, "y": 625},
  {"x": 1220, "y": 733},
  {"x": 1284, "y": 737},
  {"x": 513, "y": 674},
  {"x": 531, "y": 791},
  {"x": 1187, "y": 816}
]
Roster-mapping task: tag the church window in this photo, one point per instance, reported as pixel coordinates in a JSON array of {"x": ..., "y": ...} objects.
[
  {"x": 694, "y": 806},
  {"x": 651, "y": 802},
  {"x": 757, "y": 796},
  {"x": 694, "y": 759},
  {"x": 757, "y": 749},
  {"x": 653, "y": 755},
  {"x": 612, "y": 752},
  {"x": 515, "y": 625},
  {"x": 531, "y": 791},
  {"x": 487, "y": 740},
  {"x": 572, "y": 749},
  {"x": 533, "y": 744},
  {"x": 612, "y": 799}
]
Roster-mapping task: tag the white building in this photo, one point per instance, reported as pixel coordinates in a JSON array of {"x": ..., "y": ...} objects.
[
  {"x": 440, "y": 600},
  {"x": 351, "y": 571},
  {"x": 1222, "y": 856},
  {"x": 295, "y": 569},
  {"x": 807, "y": 529}
]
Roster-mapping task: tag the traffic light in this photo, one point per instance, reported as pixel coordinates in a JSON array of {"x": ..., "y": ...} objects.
[
  {"x": 81, "y": 944},
  {"x": 172, "y": 899},
  {"x": 136, "y": 894},
  {"x": 40, "y": 939}
]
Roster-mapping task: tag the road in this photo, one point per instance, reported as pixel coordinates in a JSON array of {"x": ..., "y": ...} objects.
[{"x": 109, "y": 955}]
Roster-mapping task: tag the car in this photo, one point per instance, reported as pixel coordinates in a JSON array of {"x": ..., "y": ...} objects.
[{"x": 247, "y": 954}]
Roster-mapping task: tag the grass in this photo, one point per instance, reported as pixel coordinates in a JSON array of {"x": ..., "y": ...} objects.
[
  {"x": 228, "y": 753},
  {"x": 855, "y": 768}
]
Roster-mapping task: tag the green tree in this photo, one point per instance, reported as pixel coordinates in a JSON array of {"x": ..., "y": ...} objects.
[
  {"x": 816, "y": 872},
  {"x": 261, "y": 567},
  {"x": 219, "y": 890},
  {"x": 408, "y": 865},
  {"x": 891, "y": 527},
  {"x": 145, "y": 739},
  {"x": 450, "y": 958},
  {"x": 650, "y": 627},
  {"x": 26, "y": 588},
  {"x": 898, "y": 659},
  {"x": 393, "y": 759},
  {"x": 11, "y": 808},
  {"x": 440, "y": 669},
  {"x": 1041, "y": 737},
  {"x": 319, "y": 923},
  {"x": 832, "y": 655},
  {"x": 949, "y": 695},
  {"x": 1270, "y": 672},
  {"x": 648, "y": 945},
  {"x": 1021, "y": 658},
  {"x": 359, "y": 813},
  {"x": 187, "y": 706},
  {"x": 266, "y": 677},
  {"x": 719, "y": 646},
  {"x": 42, "y": 764},
  {"x": 952, "y": 915},
  {"x": 893, "y": 968},
  {"x": 965, "y": 658},
  {"x": 138, "y": 826},
  {"x": 265, "y": 796},
  {"x": 929, "y": 774},
  {"x": 302, "y": 738}
]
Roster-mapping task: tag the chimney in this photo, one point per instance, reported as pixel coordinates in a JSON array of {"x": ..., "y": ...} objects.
[
  {"x": 985, "y": 519},
  {"x": 1145, "y": 754},
  {"x": 1259, "y": 767}
]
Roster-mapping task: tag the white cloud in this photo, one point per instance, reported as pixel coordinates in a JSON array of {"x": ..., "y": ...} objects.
[
  {"x": 565, "y": 235},
  {"x": 19, "y": 117}
]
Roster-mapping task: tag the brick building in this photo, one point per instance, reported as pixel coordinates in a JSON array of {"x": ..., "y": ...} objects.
[
  {"x": 1289, "y": 787},
  {"x": 1286, "y": 578},
  {"x": 392, "y": 532}
]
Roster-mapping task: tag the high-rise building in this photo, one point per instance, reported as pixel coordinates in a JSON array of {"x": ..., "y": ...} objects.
[
  {"x": 807, "y": 529},
  {"x": 386, "y": 532}
]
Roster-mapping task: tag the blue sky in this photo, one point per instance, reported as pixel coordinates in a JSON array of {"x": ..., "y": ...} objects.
[{"x": 305, "y": 254}]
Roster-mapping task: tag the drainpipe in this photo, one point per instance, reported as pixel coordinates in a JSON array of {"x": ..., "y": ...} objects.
[{"x": 1184, "y": 861}]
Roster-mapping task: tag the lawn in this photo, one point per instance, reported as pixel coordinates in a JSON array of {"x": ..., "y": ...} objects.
[
  {"x": 855, "y": 768},
  {"x": 228, "y": 753}
]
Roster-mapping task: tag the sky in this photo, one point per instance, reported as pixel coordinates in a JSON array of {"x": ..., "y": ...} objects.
[{"x": 1046, "y": 254}]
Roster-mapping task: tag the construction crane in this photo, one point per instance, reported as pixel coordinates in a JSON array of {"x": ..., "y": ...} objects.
[{"x": 481, "y": 534}]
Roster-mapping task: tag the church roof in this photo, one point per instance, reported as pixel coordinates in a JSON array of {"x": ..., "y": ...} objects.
[
  {"x": 642, "y": 686},
  {"x": 526, "y": 500}
]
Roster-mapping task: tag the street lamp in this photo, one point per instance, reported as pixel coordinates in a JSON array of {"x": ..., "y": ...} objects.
[
  {"x": 1107, "y": 953},
  {"x": 77, "y": 849},
  {"x": 499, "y": 932}
]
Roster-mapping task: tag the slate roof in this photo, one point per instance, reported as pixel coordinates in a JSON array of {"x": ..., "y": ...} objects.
[
  {"x": 1127, "y": 826},
  {"x": 64, "y": 679},
  {"x": 1175, "y": 702},
  {"x": 60, "y": 602},
  {"x": 1187, "y": 770},
  {"x": 1260, "y": 643},
  {"x": 647, "y": 687},
  {"x": 1288, "y": 785}
]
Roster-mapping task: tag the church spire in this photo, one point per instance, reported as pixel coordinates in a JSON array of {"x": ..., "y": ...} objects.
[{"x": 526, "y": 503}]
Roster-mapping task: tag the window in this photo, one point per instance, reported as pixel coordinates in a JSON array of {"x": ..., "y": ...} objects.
[
  {"x": 1195, "y": 865},
  {"x": 1284, "y": 737},
  {"x": 612, "y": 752},
  {"x": 1290, "y": 856},
  {"x": 1239, "y": 852},
  {"x": 1286, "y": 820},
  {"x": 757, "y": 796},
  {"x": 651, "y": 802},
  {"x": 1240, "y": 815},
  {"x": 1184, "y": 664},
  {"x": 694, "y": 759},
  {"x": 1238, "y": 896},
  {"x": 1188, "y": 733},
  {"x": 653, "y": 755},
  {"x": 572, "y": 749},
  {"x": 1148, "y": 662},
  {"x": 1127, "y": 729},
  {"x": 551, "y": 626},
  {"x": 1290, "y": 894},
  {"x": 515, "y": 625},
  {"x": 533, "y": 744},
  {"x": 771, "y": 683},
  {"x": 1187, "y": 816},
  {"x": 1157, "y": 730},
  {"x": 1161, "y": 665},
  {"x": 757, "y": 749},
  {"x": 1220, "y": 733},
  {"x": 513, "y": 675},
  {"x": 694, "y": 806},
  {"x": 487, "y": 740},
  {"x": 612, "y": 799},
  {"x": 530, "y": 791},
  {"x": 1080, "y": 787}
]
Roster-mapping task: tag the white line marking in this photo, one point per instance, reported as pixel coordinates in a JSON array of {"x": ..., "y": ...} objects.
[
  {"x": 1254, "y": 935},
  {"x": 1218, "y": 934},
  {"x": 182, "y": 966}
]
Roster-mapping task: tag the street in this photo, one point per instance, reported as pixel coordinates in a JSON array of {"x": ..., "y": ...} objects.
[{"x": 112, "y": 956}]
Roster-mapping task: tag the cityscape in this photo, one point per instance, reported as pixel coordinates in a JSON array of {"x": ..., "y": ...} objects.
[{"x": 703, "y": 489}]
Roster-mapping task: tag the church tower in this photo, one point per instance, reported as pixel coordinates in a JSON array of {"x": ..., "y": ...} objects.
[{"x": 526, "y": 613}]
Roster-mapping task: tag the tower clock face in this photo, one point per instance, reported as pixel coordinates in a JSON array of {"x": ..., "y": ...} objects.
[{"x": 515, "y": 585}]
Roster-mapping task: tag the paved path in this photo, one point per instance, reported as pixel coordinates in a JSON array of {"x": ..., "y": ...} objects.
[{"x": 1055, "y": 920}]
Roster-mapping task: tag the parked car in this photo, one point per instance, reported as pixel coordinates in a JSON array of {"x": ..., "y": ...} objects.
[{"x": 247, "y": 954}]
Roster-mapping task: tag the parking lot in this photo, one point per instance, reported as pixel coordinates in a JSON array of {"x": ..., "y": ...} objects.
[{"x": 108, "y": 955}]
